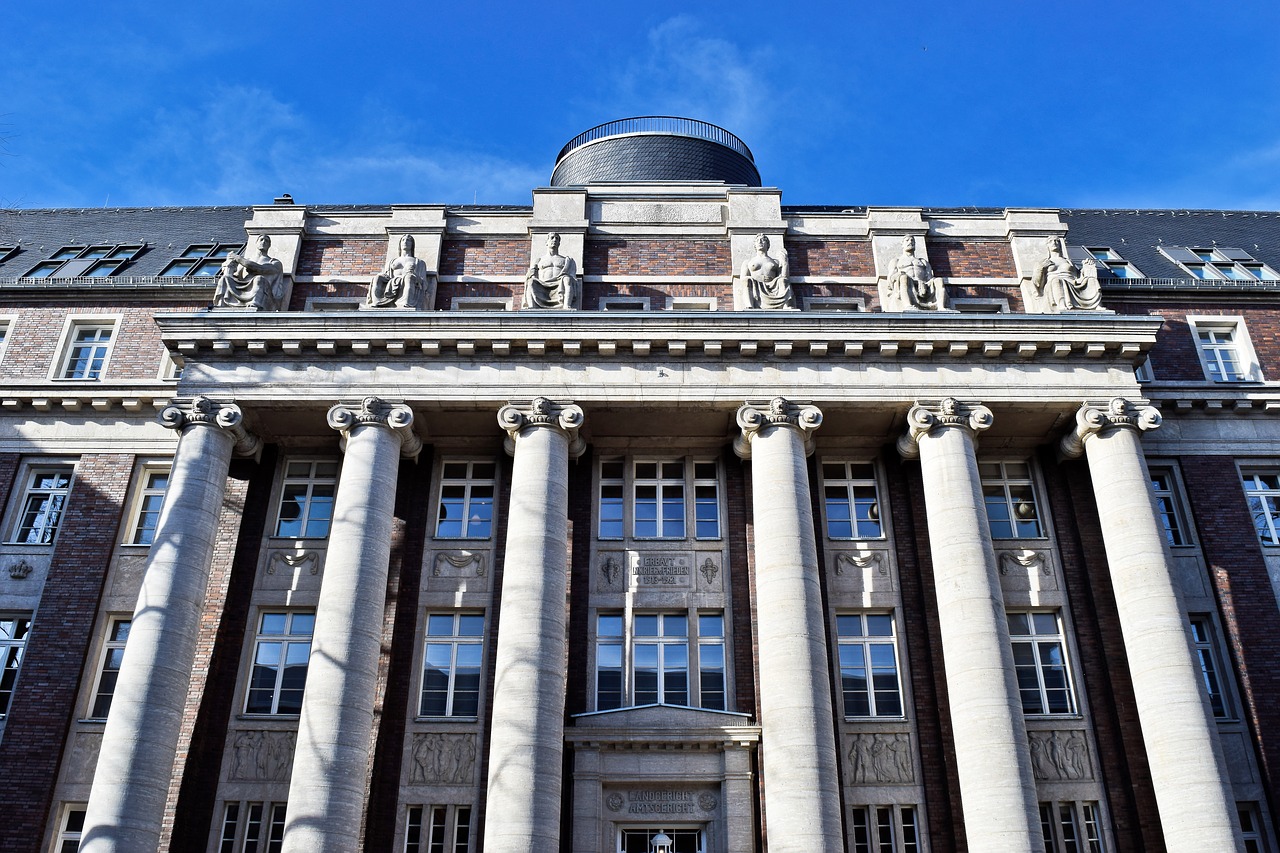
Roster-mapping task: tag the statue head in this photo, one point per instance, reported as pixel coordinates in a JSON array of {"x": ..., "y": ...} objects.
[
  {"x": 1054, "y": 245},
  {"x": 407, "y": 245},
  {"x": 778, "y": 406},
  {"x": 553, "y": 242},
  {"x": 909, "y": 244},
  {"x": 263, "y": 243},
  {"x": 762, "y": 243}
]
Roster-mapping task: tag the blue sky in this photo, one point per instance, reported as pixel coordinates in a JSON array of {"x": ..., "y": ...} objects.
[{"x": 1089, "y": 104}]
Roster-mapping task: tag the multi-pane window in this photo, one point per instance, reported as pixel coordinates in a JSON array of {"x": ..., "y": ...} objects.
[
  {"x": 438, "y": 829},
  {"x": 868, "y": 654},
  {"x": 201, "y": 260},
  {"x": 1262, "y": 489},
  {"x": 650, "y": 497},
  {"x": 1251, "y": 830},
  {"x": 88, "y": 346},
  {"x": 1010, "y": 496},
  {"x": 1207, "y": 656},
  {"x": 451, "y": 665},
  {"x": 885, "y": 829},
  {"x": 306, "y": 499},
  {"x": 109, "y": 671},
  {"x": 466, "y": 500},
  {"x": 252, "y": 828},
  {"x": 640, "y": 839},
  {"x": 42, "y": 504},
  {"x": 646, "y": 660},
  {"x": 1219, "y": 263},
  {"x": 1109, "y": 259},
  {"x": 281, "y": 651},
  {"x": 149, "y": 503},
  {"x": 1040, "y": 662},
  {"x": 1168, "y": 506},
  {"x": 71, "y": 829},
  {"x": 1220, "y": 352},
  {"x": 13, "y": 640},
  {"x": 85, "y": 261},
  {"x": 851, "y": 500},
  {"x": 1071, "y": 827}
]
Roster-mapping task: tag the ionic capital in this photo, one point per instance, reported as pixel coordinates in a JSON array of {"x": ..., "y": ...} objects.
[
  {"x": 949, "y": 412},
  {"x": 374, "y": 411},
  {"x": 1118, "y": 414},
  {"x": 778, "y": 412},
  {"x": 540, "y": 412},
  {"x": 220, "y": 414}
]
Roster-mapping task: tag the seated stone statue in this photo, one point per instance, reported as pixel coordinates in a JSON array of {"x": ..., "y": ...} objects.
[
  {"x": 552, "y": 280},
  {"x": 403, "y": 282},
  {"x": 255, "y": 283},
  {"x": 912, "y": 284},
  {"x": 763, "y": 282},
  {"x": 1061, "y": 287}
]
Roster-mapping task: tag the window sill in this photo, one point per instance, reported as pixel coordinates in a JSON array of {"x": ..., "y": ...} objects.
[{"x": 433, "y": 719}]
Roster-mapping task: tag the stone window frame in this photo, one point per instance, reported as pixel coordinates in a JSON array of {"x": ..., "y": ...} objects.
[
  {"x": 31, "y": 470},
  {"x": 7, "y": 323},
  {"x": 470, "y": 482},
  {"x": 849, "y": 484},
  {"x": 1014, "y": 488},
  {"x": 312, "y": 480},
  {"x": 13, "y": 644},
  {"x": 626, "y": 488},
  {"x": 1214, "y": 354},
  {"x": 481, "y": 303},
  {"x": 322, "y": 304},
  {"x": 691, "y": 303},
  {"x": 1206, "y": 641},
  {"x": 979, "y": 304},
  {"x": 108, "y": 668},
  {"x": 170, "y": 370},
  {"x": 70, "y": 827},
  {"x": 1263, "y": 499},
  {"x": 1083, "y": 818},
  {"x": 144, "y": 509},
  {"x": 452, "y": 821},
  {"x": 874, "y": 828},
  {"x": 1143, "y": 371},
  {"x": 455, "y": 641},
  {"x": 625, "y": 643},
  {"x": 835, "y": 304},
  {"x": 1253, "y": 828},
  {"x": 64, "y": 367},
  {"x": 865, "y": 641},
  {"x": 1171, "y": 504},
  {"x": 1034, "y": 642},
  {"x": 240, "y": 818},
  {"x": 620, "y": 303},
  {"x": 288, "y": 638}
]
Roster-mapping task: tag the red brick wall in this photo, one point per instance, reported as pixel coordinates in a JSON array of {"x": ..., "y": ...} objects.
[
  {"x": 484, "y": 256},
  {"x": 1122, "y": 761},
  {"x": 342, "y": 256},
  {"x": 447, "y": 290},
  {"x": 303, "y": 292},
  {"x": 1246, "y": 600},
  {"x": 723, "y": 293},
  {"x": 971, "y": 258},
  {"x": 44, "y": 703},
  {"x": 1176, "y": 357},
  {"x": 830, "y": 257},
  {"x": 618, "y": 256}
]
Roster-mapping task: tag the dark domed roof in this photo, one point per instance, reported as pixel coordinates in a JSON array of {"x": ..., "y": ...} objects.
[{"x": 655, "y": 148}]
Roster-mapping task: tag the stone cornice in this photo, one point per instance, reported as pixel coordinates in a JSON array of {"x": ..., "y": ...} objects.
[
  {"x": 1118, "y": 413},
  {"x": 924, "y": 418},
  {"x": 347, "y": 335},
  {"x": 372, "y": 411},
  {"x": 108, "y": 398},
  {"x": 540, "y": 412},
  {"x": 205, "y": 411}
]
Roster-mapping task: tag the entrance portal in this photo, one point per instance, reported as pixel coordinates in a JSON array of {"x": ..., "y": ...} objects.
[{"x": 640, "y": 840}]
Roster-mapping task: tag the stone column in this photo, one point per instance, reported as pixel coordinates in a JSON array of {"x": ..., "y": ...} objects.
[
  {"x": 526, "y": 741},
  {"x": 801, "y": 778},
  {"x": 135, "y": 762},
  {"x": 1197, "y": 809},
  {"x": 331, "y": 760},
  {"x": 993, "y": 761}
]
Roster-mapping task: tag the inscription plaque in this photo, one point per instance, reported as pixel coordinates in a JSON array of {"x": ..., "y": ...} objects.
[{"x": 660, "y": 569}]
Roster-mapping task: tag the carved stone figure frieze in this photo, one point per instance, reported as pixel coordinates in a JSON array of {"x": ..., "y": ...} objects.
[
  {"x": 443, "y": 759},
  {"x": 949, "y": 412},
  {"x": 261, "y": 756},
  {"x": 1060, "y": 756},
  {"x": 1056, "y": 285},
  {"x": 542, "y": 412},
  {"x": 881, "y": 757},
  {"x": 552, "y": 280},
  {"x": 910, "y": 284},
  {"x": 251, "y": 283},
  {"x": 781, "y": 412},
  {"x": 1118, "y": 414},
  {"x": 763, "y": 281},
  {"x": 404, "y": 282}
]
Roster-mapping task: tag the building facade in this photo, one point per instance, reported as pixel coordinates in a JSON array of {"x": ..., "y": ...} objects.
[{"x": 653, "y": 515}]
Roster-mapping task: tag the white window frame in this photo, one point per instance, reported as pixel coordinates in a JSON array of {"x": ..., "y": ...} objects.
[
  {"x": 7, "y": 324},
  {"x": 882, "y": 828},
  {"x": 1034, "y": 643},
  {"x": 473, "y": 487},
  {"x": 12, "y": 651},
  {"x": 288, "y": 639},
  {"x": 452, "y": 822},
  {"x": 109, "y": 663},
  {"x": 852, "y": 487},
  {"x": 312, "y": 480},
  {"x": 71, "y": 327},
  {"x": 1018, "y": 492},
  {"x": 31, "y": 470},
  {"x": 481, "y": 303},
  {"x": 1263, "y": 500},
  {"x": 694, "y": 643},
  {"x": 1143, "y": 372},
  {"x": 267, "y": 826},
  {"x": 691, "y": 303},
  {"x": 624, "y": 303},
  {"x": 142, "y": 503},
  {"x": 454, "y": 644},
  {"x": 835, "y": 304},
  {"x": 170, "y": 371},
  {"x": 1253, "y": 831},
  {"x": 1247, "y": 360},
  {"x": 1085, "y": 819},
  {"x": 691, "y": 483},
  {"x": 847, "y": 641},
  {"x": 669, "y": 829},
  {"x": 70, "y": 828}
]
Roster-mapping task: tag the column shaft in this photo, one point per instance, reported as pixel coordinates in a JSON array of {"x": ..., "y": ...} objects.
[
  {"x": 993, "y": 762},
  {"x": 1197, "y": 810},
  {"x": 135, "y": 762},
  {"x": 330, "y": 764},
  {"x": 527, "y": 731},
  {"x": 801, "y": 777}
]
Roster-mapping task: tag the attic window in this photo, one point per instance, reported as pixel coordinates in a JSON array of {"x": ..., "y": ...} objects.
[
  {"x": 7, "y": 252},
  {"x": 86, "y": 261},
  {"x": 202, "y": 259},
  {"x": 1109, "y": 259},
  {"x": 1220, "y": 263}
]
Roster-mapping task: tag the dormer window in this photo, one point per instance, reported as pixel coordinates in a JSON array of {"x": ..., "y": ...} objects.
[
  {"x": 86, "y": 261},
  {"x": 1220, "y": 263},
  {"x": 202, "y": 259}
]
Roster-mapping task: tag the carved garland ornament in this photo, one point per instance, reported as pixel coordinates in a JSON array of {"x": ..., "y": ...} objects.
[
  {"x": 542, "y": 412},
  {"x": 373, "y": 411},
  {"x": 753, "y": 419},
  {"x": 949, "y": 412},
  {"x": 203, "y": 411},
  {"x": 873, "y": 560},
  {"x": 1118, "y": 414}
]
